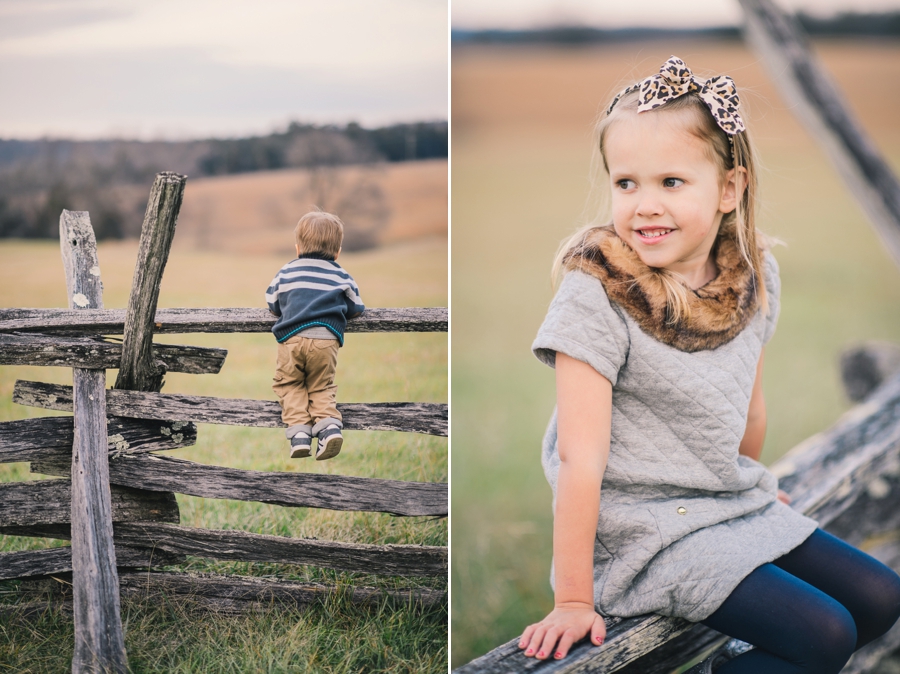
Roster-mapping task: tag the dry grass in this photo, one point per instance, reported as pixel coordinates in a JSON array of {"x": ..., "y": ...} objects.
[{"x": 522, "y": 122}]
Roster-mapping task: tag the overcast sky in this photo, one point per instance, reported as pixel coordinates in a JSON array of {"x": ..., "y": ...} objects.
[
  {"x": 189, "y": 68},
  {"x": 603, "y": 13}
]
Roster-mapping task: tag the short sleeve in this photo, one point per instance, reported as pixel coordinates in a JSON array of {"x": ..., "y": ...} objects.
[
  {"x": 773, "y": 294},
  {"x": 582, "y": 323}
]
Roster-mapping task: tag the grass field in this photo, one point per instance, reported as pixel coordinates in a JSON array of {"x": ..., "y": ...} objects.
[
  {"x": 520, "y": 176},
  {"x": 379, "y": 367}
]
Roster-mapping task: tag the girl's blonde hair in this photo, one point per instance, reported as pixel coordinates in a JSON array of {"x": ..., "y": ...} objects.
[{"x": 727, "y": 154}]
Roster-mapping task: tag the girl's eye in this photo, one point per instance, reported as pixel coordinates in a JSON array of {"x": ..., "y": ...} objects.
[
  {"x": 672, "y": 182},
  {"x": 625, "y": 184}
]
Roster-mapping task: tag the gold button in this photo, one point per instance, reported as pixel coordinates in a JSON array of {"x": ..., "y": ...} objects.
[{"x": 682, "y": 510}]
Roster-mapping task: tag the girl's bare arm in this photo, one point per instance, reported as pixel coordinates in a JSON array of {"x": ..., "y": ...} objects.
[
  {"x": 584, "y": 410},
  {"x": 755, "y": 433}
]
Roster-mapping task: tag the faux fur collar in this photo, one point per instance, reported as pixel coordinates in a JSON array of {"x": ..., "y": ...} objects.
[{"x": 719, "y": 310}]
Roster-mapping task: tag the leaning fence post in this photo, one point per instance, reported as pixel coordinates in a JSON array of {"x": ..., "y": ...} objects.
[
  {"x": 815, "y": 100},
  {"x": 99, "y": 640},
  {"x": 139, "y": 371}
]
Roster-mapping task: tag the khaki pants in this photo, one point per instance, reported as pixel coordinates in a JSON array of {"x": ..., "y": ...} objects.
[{"x": 304, "y": 380}]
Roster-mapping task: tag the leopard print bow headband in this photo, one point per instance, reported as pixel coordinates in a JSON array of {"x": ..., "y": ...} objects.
[{"x": 676, "y": 79}]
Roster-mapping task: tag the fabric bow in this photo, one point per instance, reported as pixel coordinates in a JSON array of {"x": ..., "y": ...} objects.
[{"x": 676, "y": 79}]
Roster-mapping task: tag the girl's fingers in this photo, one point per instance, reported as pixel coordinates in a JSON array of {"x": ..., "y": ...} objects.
[
  {"x": 549, "y": 643},
  {"x": 562, "y": 649},
  {"x": 526, "y": 636},
  {"x": 537, "y": 637},
  {"x": 598, "y": 631}
]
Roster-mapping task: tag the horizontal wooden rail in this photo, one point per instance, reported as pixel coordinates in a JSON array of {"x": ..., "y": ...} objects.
[
  {"x": 430, "y": 418},
  {"x": 243, "y": 546},
  {"x": 94, "y": 354},
  {"x": 391, "y": 560},
  {"x": 242, "y": 594},
  {"x": 300, "y": 490},
  {"x": 222, "y": 594},
  {"x": 48, "y": 437},
  {"x": 50, "y": 502},
  {"x": 829, "y": 476},
  {"x": 112, "y": 321},
  {"x": 55, "y": 561}
]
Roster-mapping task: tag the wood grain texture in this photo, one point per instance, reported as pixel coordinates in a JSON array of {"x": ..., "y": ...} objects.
[
  {"x": 299, "y": 490},
  {"x": 235, "y": 594},
  {"x": 184, "y": 320},
  {"x": 626, "y": 641},
  {"x": 813, "y": 97},
  {"x": 828, "y": 472},
  {"x": 50, "y": 502},
  {"x": 52, "y": 437},
  {"x": 392, "y": 560},
  {"x": 430, "y": 418},
  {"x": 99, "y": 638},
  {"x": 57, "y": 561},
  {"x": 87, "y": 353},
  {"x": 140, "y": 370},
  {"x": 224, "y": 594},
  {"x": 79, "y": 256}
]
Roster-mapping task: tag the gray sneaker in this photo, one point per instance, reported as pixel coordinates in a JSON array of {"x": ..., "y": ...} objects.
[
  {"x": 301, "y": 441},
  {"x": 330, "y": 440}
]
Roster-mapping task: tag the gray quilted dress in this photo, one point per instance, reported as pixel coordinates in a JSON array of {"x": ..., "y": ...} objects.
[{"x": 683, "y": 517}]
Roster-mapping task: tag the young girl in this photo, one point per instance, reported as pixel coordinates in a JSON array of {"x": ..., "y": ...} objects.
[{"x": 657, "y": 333}]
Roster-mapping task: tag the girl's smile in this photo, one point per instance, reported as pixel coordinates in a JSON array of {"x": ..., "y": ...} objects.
[{"x": 668, "y": 197}]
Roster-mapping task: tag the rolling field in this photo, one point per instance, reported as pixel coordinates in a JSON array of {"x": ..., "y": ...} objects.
[
  {"x": 337, "y": 637},
  {"x": 522, "y": 121},
  {"x": 250, "y": 212}
]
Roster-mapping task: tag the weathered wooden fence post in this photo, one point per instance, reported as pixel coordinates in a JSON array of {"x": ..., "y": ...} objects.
[
  {"x": 99, "y": 640},
  {"x": 139, "y": 371},
  {"x": 814, "y": 99}
]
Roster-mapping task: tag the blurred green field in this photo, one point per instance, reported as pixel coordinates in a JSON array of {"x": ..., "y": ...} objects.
[
  {"x": 520, "y": 175},
  {"x": 372, "y": 367}
]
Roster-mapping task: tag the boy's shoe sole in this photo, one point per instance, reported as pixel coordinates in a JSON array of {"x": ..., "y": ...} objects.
[
  {"x": 331, "y": 449},
  {"x": 301, "y": 452}
]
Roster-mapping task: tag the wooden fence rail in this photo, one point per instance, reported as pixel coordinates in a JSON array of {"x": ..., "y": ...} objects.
[
  {"x": 298, "y": 490},
  {"x": 429, "y": 418},
  {"x": 135, "y": 532},
  {"x": 96, "y": 354},
  {"x": 179, "y": 321},
  {"x": 48, "y": 437},
  {"x": 223, "y": 594}
]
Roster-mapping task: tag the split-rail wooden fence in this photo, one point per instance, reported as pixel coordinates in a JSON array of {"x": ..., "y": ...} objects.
[
  {"x": 118, "y": 503},
  {"x": 848, "y": 477}
]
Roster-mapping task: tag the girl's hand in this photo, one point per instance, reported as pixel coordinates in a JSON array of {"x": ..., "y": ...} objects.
[
  {"x": 566, "y": 624},
  {"x": 783, "y": 497}
]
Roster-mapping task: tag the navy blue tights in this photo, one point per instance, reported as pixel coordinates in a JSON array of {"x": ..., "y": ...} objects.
[{"x": 809, "y": 610}]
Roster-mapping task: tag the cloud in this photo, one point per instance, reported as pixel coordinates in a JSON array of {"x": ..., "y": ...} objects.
[
  {"x": 85, "y": 67},
  {"x": 183, "y": 93}
]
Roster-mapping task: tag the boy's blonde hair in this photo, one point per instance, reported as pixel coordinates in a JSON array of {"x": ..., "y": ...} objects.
[
  {"x": 319, "y": 232},
  {"x": 740, "y": 224}
]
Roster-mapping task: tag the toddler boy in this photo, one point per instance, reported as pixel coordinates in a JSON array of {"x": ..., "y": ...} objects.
[{"x": 312, "y": 297}]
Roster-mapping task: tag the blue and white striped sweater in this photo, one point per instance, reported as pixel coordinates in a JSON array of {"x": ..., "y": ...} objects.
[{"x": 309, "y": 292}]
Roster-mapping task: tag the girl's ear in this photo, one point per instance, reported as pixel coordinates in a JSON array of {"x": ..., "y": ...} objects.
[{"x": 735, "y": 184}]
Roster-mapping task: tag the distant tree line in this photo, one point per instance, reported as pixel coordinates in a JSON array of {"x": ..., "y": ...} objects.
[
  {"x": 110, "y": 178},
  {"x": 849, "y": 24}
]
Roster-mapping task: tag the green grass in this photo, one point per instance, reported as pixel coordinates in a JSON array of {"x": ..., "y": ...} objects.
[
  {"x": 514, "y": 199},
  {"x": 337, "y": 637}
]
